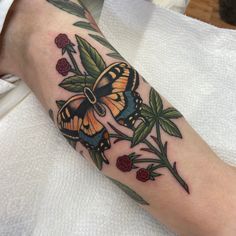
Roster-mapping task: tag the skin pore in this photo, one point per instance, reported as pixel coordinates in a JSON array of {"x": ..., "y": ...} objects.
[{"x": 170, "y": 171}]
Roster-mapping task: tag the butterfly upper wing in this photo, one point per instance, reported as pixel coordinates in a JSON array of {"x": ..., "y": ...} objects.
[
  {"x": 115, "y": 88},
  {"x": 77, "y": 121},
  {"x": 118, "y": 77}
]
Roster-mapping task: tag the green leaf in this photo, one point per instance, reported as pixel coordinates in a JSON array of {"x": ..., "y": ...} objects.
[
  {"x": 50, "y": 113},
  {"x": 97, "y": 159},
  {"x": 60, "y": 103},
  {"x": 146, "y": 112},
  {"x": 77, "y": 83},
  {"x": 142, "y": 131},
  {"x": 80, "y": 2},
  {"x": 69, "y": 6},
  {"x": 72, "y": 143},
  {"x": 171, "y": 113},
  {"x": 105, "y": 43},
  {"x": 90, "y": 58},
  {"x": 102, "y": 41},
  {"x": 156, "y": 174},
  {"x": 70, "y": 48},
  {"x": 169, "y": 127},
  {"x": 155, "y": 102},
  {"x": 131, "y": 193},
  {"x": 84, "y": 25},
  {"x": 115, "y": 55}
]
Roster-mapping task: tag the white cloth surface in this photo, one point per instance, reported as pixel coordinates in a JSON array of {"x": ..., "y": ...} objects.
[
  {"x": 46, "y": 188},
  {"x": 4, "y": 7},
  {"x": 11, "y": 91},
  {"x": 175, "y": 5}
]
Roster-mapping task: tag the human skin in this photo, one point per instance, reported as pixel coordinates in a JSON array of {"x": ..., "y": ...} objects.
[{"x": 206, "y": 207}]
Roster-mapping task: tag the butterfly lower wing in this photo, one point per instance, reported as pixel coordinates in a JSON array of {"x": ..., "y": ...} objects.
[
  {"x": 125, "y": 107},
  {"x": 69, "y": 120},
  {"x": 77, "y": 122},
  {"x": 116, "y": 88},
  {"x": 93, "y": 134}
]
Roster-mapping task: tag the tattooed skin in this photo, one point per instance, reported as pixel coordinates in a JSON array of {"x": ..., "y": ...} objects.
[{"x": 113, "y": 87}]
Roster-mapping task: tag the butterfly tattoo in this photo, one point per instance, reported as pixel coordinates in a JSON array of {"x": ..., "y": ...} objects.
[{"x": 114, "y": 89}]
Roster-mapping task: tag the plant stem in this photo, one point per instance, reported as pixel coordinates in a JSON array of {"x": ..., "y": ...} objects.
[
  {"x": 76, "y": 68},
  {"x": 162, "y": 155},
  {"x": 174, "y": 172},
  {"x": 159, "y": 143},
  {"x": 166, "y": 161},
  {"x": 152, "y": 148},
  {"x": 145, "y": 160}
]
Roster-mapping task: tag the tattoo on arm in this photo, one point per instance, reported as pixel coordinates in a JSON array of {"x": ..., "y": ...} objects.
[
  {"x": 87, "y": 22},
  {"x": 98, "y": 87}
]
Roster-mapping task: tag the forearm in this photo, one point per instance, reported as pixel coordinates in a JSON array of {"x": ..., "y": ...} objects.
[{"x": 117, "y": 121}]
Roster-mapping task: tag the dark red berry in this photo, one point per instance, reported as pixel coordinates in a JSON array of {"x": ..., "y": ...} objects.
[
  {"x": 62, "y": 41},
  {"x": 124, "y": 163},
  {"x": 63, "y": 66},
  {"x": 143, "y": 175}
]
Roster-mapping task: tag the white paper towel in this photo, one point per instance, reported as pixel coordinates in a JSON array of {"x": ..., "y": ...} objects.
[{"x": 46, "y": 188}]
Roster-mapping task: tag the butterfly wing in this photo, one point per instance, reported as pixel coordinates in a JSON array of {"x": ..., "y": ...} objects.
[
  {"x": 115, "y": 88},
  {"x": 124, "y": 106},
  {"x": 77, "y": 121}
]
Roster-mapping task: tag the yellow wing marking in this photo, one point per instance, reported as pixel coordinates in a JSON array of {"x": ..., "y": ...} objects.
[
  {"x": 115, "y": 102},
  {"x": 91, "y": 125}
]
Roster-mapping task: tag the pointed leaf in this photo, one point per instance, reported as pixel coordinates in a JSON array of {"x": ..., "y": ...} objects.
[
  {"x": 97, "y": 159},
  {"x": 81, "y": 3},
  {"x": 115, "y": 55},
  {"x": 165, "y": 147},
  {"x": 77, "y": 83},
  {"x": 105, "y": 43},
  {"x": 72, "y": 143},
  {"x": 131, "y": 193},
  {"x": 69, "y": 6},
  {"x": 102, "y": 41},
  {"x": 155, "y": 102},
  {"x": 117, "y": 130},
  {"x": 60, "y": 103},
  {"x": 142, "y": 131},
  {"x": 63, "y": 51},
  {"x": 171, "y": 113},
  {"x": 91, "y": 59},
  {"x": 169, "y": 127},
  {"x": 50, "y": 113},
  {"x": 146, "y": 112},
  {"x": 156, "y": 174},
  {"x": 85, "y": 25},
  {"x": 70, "y": 47}
]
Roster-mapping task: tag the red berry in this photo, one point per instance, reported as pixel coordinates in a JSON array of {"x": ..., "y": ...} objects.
[
  {"x": 62, "y": 41},
  {"x": 143, "y": 175},
  {"x": 124, "y": 163},
  {"x": 63, "y": 66}
]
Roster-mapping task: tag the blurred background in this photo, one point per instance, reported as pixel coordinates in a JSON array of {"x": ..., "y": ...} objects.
[{"x": 204, "y": 10}]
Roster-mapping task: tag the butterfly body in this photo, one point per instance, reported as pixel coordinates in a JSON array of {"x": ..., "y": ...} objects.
[{"x": 115, "y": 89}]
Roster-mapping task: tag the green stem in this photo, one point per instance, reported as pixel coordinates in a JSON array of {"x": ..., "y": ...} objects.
[
  {"x": 166, "y": 161},
  {"x": 162, "y": 155},
  {"x": 159, "y": 138},
  {"x": 159, "y": 154},
  {"x": 175, "y": 173},
  {"x": 76, "y": 68},
  {"x": 145, "y": 160},
  {"x": 74, "y": 71}
]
